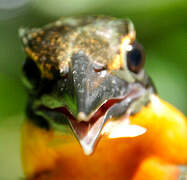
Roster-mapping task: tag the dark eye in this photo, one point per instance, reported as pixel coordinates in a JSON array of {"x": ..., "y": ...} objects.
[
  {"x": 31, "y": 72},
  {"x": 135, "y": 57}
]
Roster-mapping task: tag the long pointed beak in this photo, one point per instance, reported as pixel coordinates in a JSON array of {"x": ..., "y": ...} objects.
[
  {"x": 158, "y": 116},
  {"x": 100, "y": 96},
  {"x": 88, "y": 132}
]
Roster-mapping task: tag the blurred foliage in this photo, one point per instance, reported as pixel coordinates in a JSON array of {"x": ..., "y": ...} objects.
[{"x": 161, "y": 27}]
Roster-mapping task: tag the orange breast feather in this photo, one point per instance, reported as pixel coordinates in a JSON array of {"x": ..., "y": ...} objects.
[{"x": 155, "y": 155}]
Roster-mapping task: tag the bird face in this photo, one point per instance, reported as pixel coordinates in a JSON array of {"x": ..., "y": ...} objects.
[{"x": 84, "y": 73}]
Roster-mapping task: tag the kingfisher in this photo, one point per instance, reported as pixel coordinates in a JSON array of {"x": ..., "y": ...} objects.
[{"x": 92, "y": 111}]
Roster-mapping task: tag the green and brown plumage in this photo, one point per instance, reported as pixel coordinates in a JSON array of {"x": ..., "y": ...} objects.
[{"x": 87, "y": 87}]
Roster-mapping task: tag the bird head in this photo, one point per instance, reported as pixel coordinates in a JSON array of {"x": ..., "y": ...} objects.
[{"x": 86, "y": 76}]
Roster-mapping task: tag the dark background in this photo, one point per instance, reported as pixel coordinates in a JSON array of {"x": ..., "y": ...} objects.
[{"x": 161, "y": 26}]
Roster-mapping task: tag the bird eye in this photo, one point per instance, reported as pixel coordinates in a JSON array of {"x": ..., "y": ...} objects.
[
  {"x": 31, "y": 72},
  {"x": 135, "y": 57}
]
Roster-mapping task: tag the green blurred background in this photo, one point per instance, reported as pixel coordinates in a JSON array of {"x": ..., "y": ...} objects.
[{"x": 161, "y": 27}]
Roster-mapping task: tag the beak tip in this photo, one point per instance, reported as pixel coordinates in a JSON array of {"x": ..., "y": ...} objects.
[{"x": 87, "y": 148}]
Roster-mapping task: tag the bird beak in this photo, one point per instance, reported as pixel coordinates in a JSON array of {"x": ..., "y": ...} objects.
[
  {"x": 107, "y": 105},
  {"x": 157, "y": 116},
  {"x": 101, "y": 98}
]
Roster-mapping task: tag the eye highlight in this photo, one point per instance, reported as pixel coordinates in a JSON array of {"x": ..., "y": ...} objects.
[{"x": 135, "y": 57}]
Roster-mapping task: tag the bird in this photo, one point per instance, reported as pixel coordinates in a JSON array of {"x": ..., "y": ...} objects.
[{"x": 92, "y": 111}]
